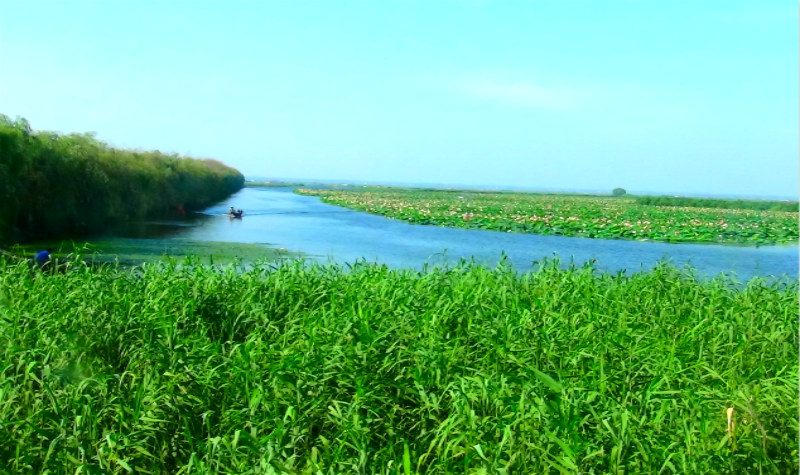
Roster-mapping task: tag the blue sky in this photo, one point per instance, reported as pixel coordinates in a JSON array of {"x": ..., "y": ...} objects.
[{"x": 696, "y": 97}]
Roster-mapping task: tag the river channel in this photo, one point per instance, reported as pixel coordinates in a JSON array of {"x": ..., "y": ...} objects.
[{"x": 280, "y": 218}]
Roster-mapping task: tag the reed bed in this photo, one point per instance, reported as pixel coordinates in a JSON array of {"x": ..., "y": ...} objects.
[{"x": 300, "y": 368}]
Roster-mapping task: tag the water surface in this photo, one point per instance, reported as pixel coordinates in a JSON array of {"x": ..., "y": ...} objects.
[{"x": 280, "y": 218}]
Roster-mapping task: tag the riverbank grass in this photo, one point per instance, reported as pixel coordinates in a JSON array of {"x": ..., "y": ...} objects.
[
  {"x": 135, "y": 252},
  {"x": 298, "y": 368}
]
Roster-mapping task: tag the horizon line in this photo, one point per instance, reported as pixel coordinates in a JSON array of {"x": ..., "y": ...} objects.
[{"x": 466, "y": 187}]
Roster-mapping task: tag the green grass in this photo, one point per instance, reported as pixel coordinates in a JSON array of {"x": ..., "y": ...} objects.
[
  {"x": 293, "y": 368},
  {"x": 570, "y": 215},
  {"x": 130, "y": 252}
]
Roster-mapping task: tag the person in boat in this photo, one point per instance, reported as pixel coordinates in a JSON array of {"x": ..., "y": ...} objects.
[{"x": 235, "y": 213}]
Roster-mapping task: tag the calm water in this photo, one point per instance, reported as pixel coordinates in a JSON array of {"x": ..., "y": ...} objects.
[{"x": 300, "y": 223}]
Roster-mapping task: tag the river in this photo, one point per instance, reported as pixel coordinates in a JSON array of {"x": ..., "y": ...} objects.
[{"x": 280, "y": 218}]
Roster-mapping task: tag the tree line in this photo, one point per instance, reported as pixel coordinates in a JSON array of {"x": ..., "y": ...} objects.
[{"x": 68, "y": 185}]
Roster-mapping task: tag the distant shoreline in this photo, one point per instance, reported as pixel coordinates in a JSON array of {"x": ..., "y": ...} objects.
[{"x": 300, "y": 182}]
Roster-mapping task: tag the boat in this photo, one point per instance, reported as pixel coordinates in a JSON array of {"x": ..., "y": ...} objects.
[{"x": 236, "y": 214}]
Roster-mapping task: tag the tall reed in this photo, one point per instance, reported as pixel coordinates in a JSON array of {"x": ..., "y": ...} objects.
[{"x": 298, "y": 368}]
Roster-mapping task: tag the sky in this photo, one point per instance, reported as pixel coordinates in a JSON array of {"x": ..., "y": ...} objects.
[{"x": 678, "y": 97}]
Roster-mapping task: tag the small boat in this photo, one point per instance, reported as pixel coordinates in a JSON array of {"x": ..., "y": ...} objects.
[{"x": 235, "y": 214}]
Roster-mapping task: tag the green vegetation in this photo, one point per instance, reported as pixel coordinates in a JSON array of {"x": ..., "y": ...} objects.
[
  {"x": 273, "y": 184},
  {"x": 761, "y": 205},
  {"x": 294, "y": 368},
  {"x": 130, "y": 252},
  {"x": 569, "y": 215},
  {"x": 618, "y": 192},
  {"x": 56, "y": 185}
]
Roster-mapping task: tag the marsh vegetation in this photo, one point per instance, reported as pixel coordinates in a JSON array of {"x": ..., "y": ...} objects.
[
  {"x": 576, "y": 215},
  {"x": 56, "y": 185},
  {"x": 298, "y": 368}
]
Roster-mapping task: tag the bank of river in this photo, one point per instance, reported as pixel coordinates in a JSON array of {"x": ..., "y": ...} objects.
[{"x": 278, "y": 219}]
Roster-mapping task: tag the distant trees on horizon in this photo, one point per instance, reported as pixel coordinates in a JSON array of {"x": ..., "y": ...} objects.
[{"x": 59, "y": 185}]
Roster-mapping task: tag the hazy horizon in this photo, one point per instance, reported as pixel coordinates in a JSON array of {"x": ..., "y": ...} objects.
[
  {"x": 476, "y": 187},
  {"x": 684, "y": 98}
]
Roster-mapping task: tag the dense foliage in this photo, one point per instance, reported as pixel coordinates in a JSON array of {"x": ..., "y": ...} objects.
[
  {"x": 53, "y": 184},
  {"x": 568, "y": 215},
  {"x": 298, "y": 369},
  {"x": 762, "y": 205}
]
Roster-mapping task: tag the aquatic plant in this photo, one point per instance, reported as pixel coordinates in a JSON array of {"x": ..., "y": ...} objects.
[
  {"x": 298, "y": 368},
  {"x": 762, "y": 205},
  {"x": 68, "y": 185},
  {"x": 568, "y": 215}
]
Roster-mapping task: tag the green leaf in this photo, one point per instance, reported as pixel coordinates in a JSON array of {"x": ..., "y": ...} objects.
[
  {"x": 548, "y": 381},
  {"x": 406, "y": 460}
]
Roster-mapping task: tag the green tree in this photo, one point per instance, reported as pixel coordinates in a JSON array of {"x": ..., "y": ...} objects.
[{"x": 618, "y": 191}]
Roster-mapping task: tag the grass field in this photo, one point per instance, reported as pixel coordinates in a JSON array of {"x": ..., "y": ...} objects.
[
  {"x": 573, "y": 215},
  {"x": 296, "y": 368}
]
